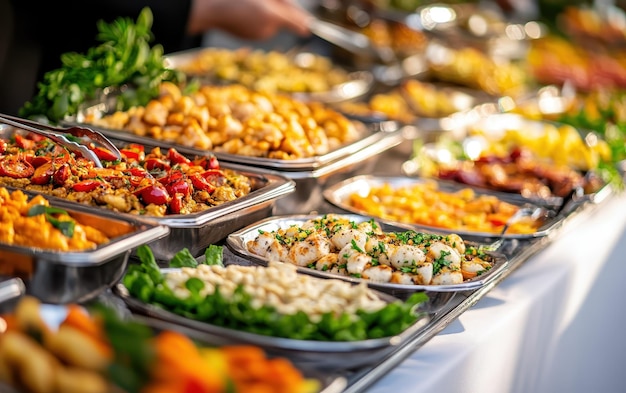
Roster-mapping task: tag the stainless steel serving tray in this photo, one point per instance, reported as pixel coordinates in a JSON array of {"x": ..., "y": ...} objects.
[
  {"x": 490, "y": 118},
  {"x": 327, "y": 355},
  {"x": 462, "y": 100},
  {"x": 339, "y": 193},
  {"x": 358, "y": 83},
  {"x": 197, "y": 230},
  {"x": 12, "y": 290},
  {"x": 75, "y": 276},
  {"x": 236, "y": 242},
  {"x": 371, "y": 135}
]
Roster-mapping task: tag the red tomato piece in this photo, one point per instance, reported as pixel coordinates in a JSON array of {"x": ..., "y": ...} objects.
[
  {"x": 62, "y": 174},
  {"x": 172, "y": 177},
  {"x": 137, "y": 147},
  {"x": 104, "y": 154},
  {"x": 178, "y": 187},
  {"x": 43, "y": 174},
  {"x": 16, "y": 167},
  {"x": 176, "y": 204},
  {"x": 87, "y": 185},
  {"x": 38, "y": 161},
  {"x": 130, "y": 154},
  {"x": 153, "y": 194},
  {"x": 156, "y": 163},
  {"x": 176, "y": 158},
  {"x": 200, "y": 183},
  {"x": 207, "y": 162},
  {"x": 23, "y": 142}
]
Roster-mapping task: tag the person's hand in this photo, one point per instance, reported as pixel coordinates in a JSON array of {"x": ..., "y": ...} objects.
[{"x": 248, "y": 19}]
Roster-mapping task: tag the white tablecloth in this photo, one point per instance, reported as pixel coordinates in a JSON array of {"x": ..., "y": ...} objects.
[{"x": 556, "y": 324}]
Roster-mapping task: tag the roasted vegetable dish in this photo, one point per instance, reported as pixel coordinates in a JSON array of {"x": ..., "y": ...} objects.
[
  {"x": 94, "y": 351},
  {"x": 267, "y": 71},
  {"x": 425, "y": 204},
  {"x": 32, "y": 222},
  {"x": 234, "y": 119},
  {"x": 412, "y": 100},
  {"x": 154, "y": 183},
  {"x": 273, "y": 300},
  {"x": 335, "y": 244}
]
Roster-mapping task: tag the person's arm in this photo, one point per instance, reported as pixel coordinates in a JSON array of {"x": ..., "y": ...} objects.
[{"x": 249, "y": 19}]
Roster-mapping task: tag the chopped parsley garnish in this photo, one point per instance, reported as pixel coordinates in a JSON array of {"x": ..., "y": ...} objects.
[{"x": 356, "y": 247}]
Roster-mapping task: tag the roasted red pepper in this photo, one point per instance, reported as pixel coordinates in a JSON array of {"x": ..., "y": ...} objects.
[
  {"x": 43, "y": 174},
  {"x": 87, "y": 185},
  {"x": 62, "y": 174},
  {"x": 104, "y": 154},
  {"x": 153, "y": 194},
  {"x": 37, "y": 161},
  {"x": 23, "y": 142},
  {"x": 156, "y": 163},
  {"x": 210, "y": 162},
  {"x": 16, "y": 167},
  {"x": 200, "y": 183},
  {"x": 178, "y": 187},
  {"x": 176, "y": 158},
  {"x": 176, "y": 204}
]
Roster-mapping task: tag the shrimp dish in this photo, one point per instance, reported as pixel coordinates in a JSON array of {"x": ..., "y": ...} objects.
[{"x": 335, "y": 244}]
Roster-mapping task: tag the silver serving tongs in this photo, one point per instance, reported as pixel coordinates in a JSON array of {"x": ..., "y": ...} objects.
[
  {"x": 58, "y": 135},
  {"x": 352, "y": 41},
  {"x": 11, "y": 289},
  {"x": 527, "y": 210}
]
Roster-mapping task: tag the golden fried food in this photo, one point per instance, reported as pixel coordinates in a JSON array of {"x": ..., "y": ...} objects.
[
  {"x": 34, "y": 223},
  {"x": 426, "y": 204},
  {"x": 237, "y": 120}
]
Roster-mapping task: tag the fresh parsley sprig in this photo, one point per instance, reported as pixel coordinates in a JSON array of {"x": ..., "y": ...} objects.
[
  {"x": 123, "y": 59},
  {"x": 65, "y": 226}
]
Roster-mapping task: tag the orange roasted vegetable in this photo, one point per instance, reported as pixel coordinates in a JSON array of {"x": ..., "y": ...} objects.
[
  {"x": 19, "y": 226},
  {"x": 178, "y": 367}
]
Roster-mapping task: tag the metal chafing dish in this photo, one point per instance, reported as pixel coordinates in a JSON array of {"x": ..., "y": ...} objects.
[
  {"x": 324, "y": 355},
  {"x": 310, "y": 175},
  {"x": 355, "y": 83},
  {"x": 439, "y": 295},
  {"x": 469, "y": 133},
  {"x": 371, "y": 135},
  {"x": 13, "y": 290},
  {"x": 339, "y": 194},
  {"x": 76, "y": 276},
  {"x": 197, "y": 230}
]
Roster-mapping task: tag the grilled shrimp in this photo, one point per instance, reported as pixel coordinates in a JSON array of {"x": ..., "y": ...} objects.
[
  {"x": 472, "y": 268},
  {"x": 404, "y": 255},
  {"x": 309, "y": 250},
  {"x": 399, "y": 277},
  {"x": 346, "y": 234},
  {"x": 327, "y": 262},
  {"x": 447, "y": 276},
  {"x": 266, "y": 245},
  {"x": 379, "y": 273},
  {"x": 449, "y": 254},
  {"x": 455, "y": 241},
  {"x": 423, "y": 274},
  {"x": 355, "y": 261}
]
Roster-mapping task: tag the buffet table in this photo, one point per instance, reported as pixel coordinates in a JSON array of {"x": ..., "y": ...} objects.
[{"x": 553, "y": 325}]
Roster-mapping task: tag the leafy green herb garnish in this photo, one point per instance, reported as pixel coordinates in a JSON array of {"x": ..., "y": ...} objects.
[
  {"x": 66, "y": 227},
  {"x": 123, "y": 59}
]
